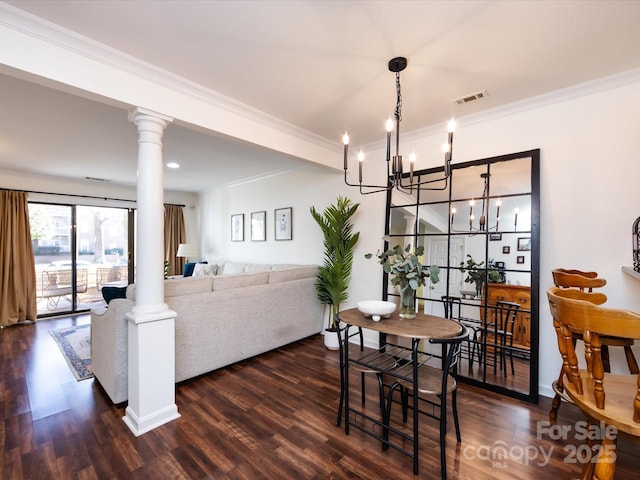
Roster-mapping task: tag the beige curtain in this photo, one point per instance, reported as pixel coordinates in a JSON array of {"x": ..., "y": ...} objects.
[
  {"x": 174, "y": 235},
  {"x": 17, "y": 267}
]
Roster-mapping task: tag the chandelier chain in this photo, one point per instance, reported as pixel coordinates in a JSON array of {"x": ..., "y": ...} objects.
[{"x": 398, "y": 112}]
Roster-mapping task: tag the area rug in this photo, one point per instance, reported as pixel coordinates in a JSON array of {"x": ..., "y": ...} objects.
[{"x": 75, "y": 344}]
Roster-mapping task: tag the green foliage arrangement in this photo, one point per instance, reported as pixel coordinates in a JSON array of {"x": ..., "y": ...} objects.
[
  {"x": 476, "y": 273},
  {"x": 334, "y": 276},
  {"x": 405, "y": 268}
]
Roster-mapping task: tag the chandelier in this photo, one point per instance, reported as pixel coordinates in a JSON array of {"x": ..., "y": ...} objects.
[
  {"x": 395, "y": 168},
  {"x": 484, "y": 211}
]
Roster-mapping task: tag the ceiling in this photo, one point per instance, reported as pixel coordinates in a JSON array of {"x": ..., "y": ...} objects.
[{"x": 318, "y": 65}]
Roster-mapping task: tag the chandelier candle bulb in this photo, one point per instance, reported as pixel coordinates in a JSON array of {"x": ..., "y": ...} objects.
[
  {"x": 345, "y": 141},
  {"x": 360, "y": 162},
  {"x": 389, "y": 127},
  {"x": 412, "y": 161},
  {"x": 452, "y": 127},
  {"x": 446, "y": 149}
]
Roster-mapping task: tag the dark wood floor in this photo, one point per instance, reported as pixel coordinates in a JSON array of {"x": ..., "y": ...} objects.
[{"x": 271, "y": 417}]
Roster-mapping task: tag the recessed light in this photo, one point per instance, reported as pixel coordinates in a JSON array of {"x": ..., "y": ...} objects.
[{"x": 173, "y": 165}]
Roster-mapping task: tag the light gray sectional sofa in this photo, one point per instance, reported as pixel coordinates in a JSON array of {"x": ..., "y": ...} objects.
[{"x": 221, "y": 319}]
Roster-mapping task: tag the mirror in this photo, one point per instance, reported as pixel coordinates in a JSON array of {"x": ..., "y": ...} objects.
[{"x": 481, "y": 228}]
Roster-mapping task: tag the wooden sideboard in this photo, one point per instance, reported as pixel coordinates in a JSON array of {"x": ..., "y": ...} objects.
[{"x": 521, "y": 295}]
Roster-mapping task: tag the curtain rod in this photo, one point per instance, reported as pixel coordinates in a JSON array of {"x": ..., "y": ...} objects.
[{"x": 82, "y": 196}]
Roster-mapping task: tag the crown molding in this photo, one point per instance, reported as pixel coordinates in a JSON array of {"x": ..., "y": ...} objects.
[
  {"x": 43, "y": 30},
  {"x": 573, "y": 92},
  {"x": 585, "y": 89}
]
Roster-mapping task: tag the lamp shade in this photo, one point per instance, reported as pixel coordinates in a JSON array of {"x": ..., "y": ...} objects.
[{"x": 186, "y": 250}]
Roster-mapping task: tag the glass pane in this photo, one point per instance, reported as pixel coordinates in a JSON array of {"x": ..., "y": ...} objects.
[
  {"x": 511, "y": 177},
  {"x": 51, "y": 238},
  {"x": 467, "y": 183},
  {"x": 102, "y": 252}
]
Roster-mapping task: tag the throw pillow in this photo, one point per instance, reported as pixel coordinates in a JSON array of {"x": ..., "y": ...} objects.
[
  {"x": 109, "y": 293},
  {"x": 203, "y": 269},
  {"x": 188, "y": 269}
]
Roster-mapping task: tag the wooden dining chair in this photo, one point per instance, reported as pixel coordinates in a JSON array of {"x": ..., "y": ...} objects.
[
  {"x": 435, "y": 382},
  {"x": 571, "y": 278},
  {"x": 613, "y": 399},
  {"x": 584, "y": 283}
]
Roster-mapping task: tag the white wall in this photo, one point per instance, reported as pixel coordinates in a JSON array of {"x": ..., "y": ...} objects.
[{"x": 589, "y": 198}]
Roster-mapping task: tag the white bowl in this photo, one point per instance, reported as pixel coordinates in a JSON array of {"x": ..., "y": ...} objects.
[{"x": 376, "y": 308}]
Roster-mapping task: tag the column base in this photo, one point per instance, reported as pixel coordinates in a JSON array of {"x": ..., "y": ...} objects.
[{"x": 155, "y": 419}]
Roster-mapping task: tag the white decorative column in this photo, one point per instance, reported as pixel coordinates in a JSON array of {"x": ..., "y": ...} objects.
[
  {"x": 409, "y": 230},
  {"x": 151, "y": 326}
]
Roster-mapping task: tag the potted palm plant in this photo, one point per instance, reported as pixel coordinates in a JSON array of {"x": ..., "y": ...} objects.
[
  {"x": 334, "y": 275},
  {"x": 477, "y": 275},
  {"x": 408, "y": 273}
]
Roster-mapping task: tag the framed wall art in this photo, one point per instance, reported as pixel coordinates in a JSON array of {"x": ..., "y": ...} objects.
[
  {"x": 259, "y": 226},
  {"x": 524, "y": 244},
  {"x": 520, "y": 259},
  {"x": 282, "y": 226},
  {"x": 237, "y": 227},
  {"x": 495, "y": 237},
  {"x": 506, "y": 249}
]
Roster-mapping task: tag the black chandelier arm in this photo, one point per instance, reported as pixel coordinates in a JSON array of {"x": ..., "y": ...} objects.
[
  {"x": 419, "y": 186},
  {"x": 379, "y": 188}
]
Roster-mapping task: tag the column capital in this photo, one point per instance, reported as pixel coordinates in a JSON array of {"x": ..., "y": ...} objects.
[{"x": 138, "y": 113}]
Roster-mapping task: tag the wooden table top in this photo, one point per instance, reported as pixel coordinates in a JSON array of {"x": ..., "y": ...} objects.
[{"x": 423, "y": 326}]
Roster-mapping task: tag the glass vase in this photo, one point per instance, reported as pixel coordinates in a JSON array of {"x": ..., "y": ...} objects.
[
  {"x": 479, "y": 289},
  {"x": 407, "y": 302}
]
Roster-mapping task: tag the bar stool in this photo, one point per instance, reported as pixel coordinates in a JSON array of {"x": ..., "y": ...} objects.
[
  {"x": 385, "y": 360},
  {"x": 583, "y": 284},
  {"x": 434, "y": 382},
  {"x": 606, "y": 399}
]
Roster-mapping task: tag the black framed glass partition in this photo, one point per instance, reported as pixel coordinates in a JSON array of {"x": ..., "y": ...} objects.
[{"x": 482, "y": 229}]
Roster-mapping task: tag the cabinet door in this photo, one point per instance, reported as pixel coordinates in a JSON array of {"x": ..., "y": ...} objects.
[
  {"x": 521, "y": 333},
  {"x": 498, "y": 294}
]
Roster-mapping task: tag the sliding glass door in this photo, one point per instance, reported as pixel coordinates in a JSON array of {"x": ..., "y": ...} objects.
[{"x": 78, "y": 250}]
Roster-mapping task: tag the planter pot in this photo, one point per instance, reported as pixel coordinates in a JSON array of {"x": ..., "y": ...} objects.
[{"x": 331, "y": 340}]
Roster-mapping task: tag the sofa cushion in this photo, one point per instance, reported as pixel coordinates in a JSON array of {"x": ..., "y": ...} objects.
[
  {"x": 203, "y": 269},
  {"x": 276, "y": 276},
  {"x": 178, "y": 286},
  {"x": 187, "y": 286},
  {"x": 109, "y": 293},
  {"x": 233, "y": 267},
  {"x": 285, "y": 266},
  {"x": 227, "y": 282},
  {"x": 257, "y": 267}
]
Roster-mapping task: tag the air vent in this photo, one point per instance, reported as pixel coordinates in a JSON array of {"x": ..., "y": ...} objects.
[
  {"x": 97, "y": 179},
  {"x": 471, "y": 97}
]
